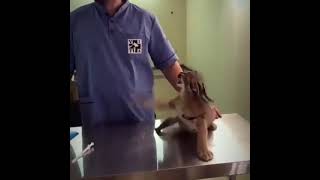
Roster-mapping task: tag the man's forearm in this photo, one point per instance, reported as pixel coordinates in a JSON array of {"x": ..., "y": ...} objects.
[{"x": 171, "y": 73}]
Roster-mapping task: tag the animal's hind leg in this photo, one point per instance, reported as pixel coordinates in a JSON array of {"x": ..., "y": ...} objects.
[{"x": 167, "y": 122}]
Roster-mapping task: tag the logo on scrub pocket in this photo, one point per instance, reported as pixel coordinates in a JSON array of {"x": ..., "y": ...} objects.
[{"x": 134, "y": 46}]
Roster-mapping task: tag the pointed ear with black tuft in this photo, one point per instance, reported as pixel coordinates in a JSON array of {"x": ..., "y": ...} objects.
[
  {"x": 200, "y": 92},
  {"x": 204, "y": 93},
  {"x": 185, "y": 68}
]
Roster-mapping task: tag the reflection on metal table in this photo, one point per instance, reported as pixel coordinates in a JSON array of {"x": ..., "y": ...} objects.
[{"x": 137, "y": 152}]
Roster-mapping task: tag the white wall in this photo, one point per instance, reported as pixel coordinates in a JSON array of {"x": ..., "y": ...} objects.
[
  {"x": 174, "y": 24},
  {"x": 218, "y": 45},
  {"x": 74, "y": 4}
]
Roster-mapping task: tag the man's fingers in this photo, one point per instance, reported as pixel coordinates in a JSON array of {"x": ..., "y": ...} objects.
[
  {"x": 149, "y": 104},
  {"x": 171, "y": 104},
  {"x": 162, "y": 105},
  {"x": 142, "y": 101}
]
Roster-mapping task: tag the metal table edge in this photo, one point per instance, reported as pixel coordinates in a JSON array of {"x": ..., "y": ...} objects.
[{"x": 186, "y": 172}]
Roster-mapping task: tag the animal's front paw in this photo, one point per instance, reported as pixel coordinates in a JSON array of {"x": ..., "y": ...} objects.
[
  {"x": 158, "y": 131},
  {"x": 205, "y": 155},
  {"x": 212, "y": 127}
]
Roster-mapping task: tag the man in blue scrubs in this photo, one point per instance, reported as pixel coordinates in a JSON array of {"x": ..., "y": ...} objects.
[{"x": 110, "y": 44}]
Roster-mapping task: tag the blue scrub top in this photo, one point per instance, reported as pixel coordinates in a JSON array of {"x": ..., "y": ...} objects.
[{"x": 111, "y": 58}]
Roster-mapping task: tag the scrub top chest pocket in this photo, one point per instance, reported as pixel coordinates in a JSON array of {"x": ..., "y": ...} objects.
[
  {"x": 134, "y": 43},
  {"x": 136, "y": 47}
]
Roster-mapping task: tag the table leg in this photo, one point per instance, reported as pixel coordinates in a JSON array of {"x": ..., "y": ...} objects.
[{"x": 232, "y": 177}]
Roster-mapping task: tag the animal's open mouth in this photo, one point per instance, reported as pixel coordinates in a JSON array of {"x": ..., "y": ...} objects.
[{"x": 179, "y": 81}]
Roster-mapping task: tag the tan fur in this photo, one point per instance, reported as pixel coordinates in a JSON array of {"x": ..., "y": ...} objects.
[{"x": 193, "y": 102}]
